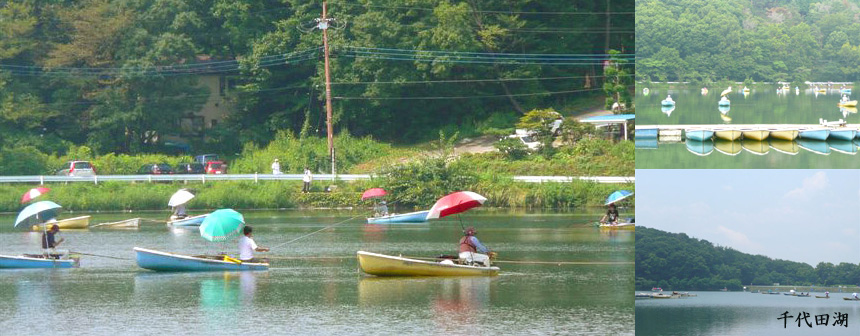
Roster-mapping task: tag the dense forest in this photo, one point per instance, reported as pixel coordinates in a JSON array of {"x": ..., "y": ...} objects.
[
  {"x": 675, "y": 261},
  {"x": 116, "y": 74},
  {"x": 774, "y": 40}
]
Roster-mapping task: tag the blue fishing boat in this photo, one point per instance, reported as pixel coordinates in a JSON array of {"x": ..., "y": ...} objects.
[
  {"x": 412, "y": 217},
  {"x": 843, "y": 134},
  {"x": 699, "y": 135},
  {"x": 842, "y": 146},
  {"x": 815, "y": 133},
  {"x": 845, "y": 91},
  {"x": 700, "y": 148},
  {"x": 37, "y": 261},
  {"x": 190, "y": 221},
  {"x": 667, "y": 102},
  {"x": 815, "y": 146},
  {"x": 646, "y": 133},
  {"x": 171, "y": 262}
]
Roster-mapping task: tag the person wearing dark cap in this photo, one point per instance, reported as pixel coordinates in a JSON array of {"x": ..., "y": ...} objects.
[
  {"x": 49, "y": 240},
  {"x": 471, "y": 249}
]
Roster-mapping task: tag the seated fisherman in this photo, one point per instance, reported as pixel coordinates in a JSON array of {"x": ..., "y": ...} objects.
[{"x": 471, "y": 249}]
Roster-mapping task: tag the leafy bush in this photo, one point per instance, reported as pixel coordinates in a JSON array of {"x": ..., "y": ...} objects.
[{"x": 513, "y": 149}]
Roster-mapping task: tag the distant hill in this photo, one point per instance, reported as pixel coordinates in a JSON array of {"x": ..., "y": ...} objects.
[
  {"x": 777, "y": 40},
  {"x": 675, "y": 261}
]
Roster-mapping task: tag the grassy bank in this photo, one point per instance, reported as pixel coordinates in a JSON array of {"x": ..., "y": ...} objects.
[{"x": 117, "y": 196}]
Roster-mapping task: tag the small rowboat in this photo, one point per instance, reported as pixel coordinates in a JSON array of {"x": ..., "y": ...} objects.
[
  {"x": 698, "y": 134},
  {"x": 412, "y": 217},
  {"x": 815, "y": 133},
  {"x": 385, "y": 265},
  {"x": 784, "y": 134},
  {"x": 124, "y": 224},
  {"x": 81, "y": 222},
  {"x": 850, "y": 299},
  {"x": 843, "y": 133},
  {"x": 618, "y": 226},
  {"x": 171, "y": 262},
  {"x": 728, "y": 134},
  {"x": 821, "y": 297},
  {"x": 850, "y": 103},
  {"x": 189, "y": 221},
  {"x": 756, "y": 134},
  {"x": 38, "y": 261}
]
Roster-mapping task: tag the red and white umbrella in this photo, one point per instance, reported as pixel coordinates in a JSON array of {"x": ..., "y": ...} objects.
[
  {"x": 33, "y": 193},
  {"x": 373, "y": 192},
  {"x": 455, "y": 203}
]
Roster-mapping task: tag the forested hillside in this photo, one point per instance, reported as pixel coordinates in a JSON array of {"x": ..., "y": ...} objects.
[
  {"x": 776, "y": 40},
  {"x": 116, "y": 74},
  {"x": 678, "y": 262}
]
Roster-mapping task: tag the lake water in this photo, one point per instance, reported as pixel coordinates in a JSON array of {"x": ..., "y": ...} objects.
[
  {"x": 762, "y": 106},
  {"x": 741, "y": 313},
  {"x": 304, "y": 295}
]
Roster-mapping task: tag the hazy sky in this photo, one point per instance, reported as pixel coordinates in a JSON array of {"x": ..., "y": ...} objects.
[{"x": 809, "y": 216}]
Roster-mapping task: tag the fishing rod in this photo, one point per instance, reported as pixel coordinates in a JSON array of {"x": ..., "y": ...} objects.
[{"x": 99, "y": 255}]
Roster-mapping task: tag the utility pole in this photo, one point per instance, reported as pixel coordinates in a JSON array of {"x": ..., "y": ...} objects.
[{"x": 323, "y": 25}]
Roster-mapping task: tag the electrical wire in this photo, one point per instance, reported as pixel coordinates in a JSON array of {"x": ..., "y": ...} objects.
[{"x": 464, "y": 97}]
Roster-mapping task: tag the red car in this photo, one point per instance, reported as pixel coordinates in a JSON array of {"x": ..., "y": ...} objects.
[{"x": 216, "y": 167}]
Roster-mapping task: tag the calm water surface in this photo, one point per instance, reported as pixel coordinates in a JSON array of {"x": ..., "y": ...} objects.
[
  {"x": 740, "y": 313},
  {"x": 326, "y": 296},
  {"x": 762, "y": 106}
]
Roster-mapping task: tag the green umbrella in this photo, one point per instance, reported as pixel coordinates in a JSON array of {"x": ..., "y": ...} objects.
[{"x": 221, "y": 225}]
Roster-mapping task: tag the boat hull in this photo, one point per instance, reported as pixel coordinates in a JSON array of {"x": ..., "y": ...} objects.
[
  {"x": 815, "y": 134},
  {"x": 730, "y": 135},
  {"x": 384, "y": 265},
  {"x": 190, "y": 221},
  {"x": 30, "y": 262},
  {"x": 843, "y": 134},
  {"x": 412, "y": 217},
  {"x": 756, "y": 135},
  {"x": 619, "y": 226},
  {"x": 646, "y": 133},
  {"x": 850, "y": 299},
  {"x": 850, "y": 103},
  {"x": 81, "y": 222},
  {"x": 128, "y": 223},
  {"x": 171, "y": 262},
  {"x": 785, "y": 135},
  {"x": 699, "y": 135}
]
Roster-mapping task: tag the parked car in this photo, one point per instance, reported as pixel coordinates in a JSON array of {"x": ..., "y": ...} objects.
[
  {"x": 190, "y": 168},
  {"x": 204, "y": 158},
  {"x": 527, "y": 138},
  {"x": 216, "y": 167},
  {"x": 156, "y": 169},
  {"x": 77, "y": 168}
]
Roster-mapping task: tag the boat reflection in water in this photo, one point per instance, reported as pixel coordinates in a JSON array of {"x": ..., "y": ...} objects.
[
  {"x": 700, "y": 148},
  {"x": 843, "y": 146},
  {"x": 785, "y": 146},
  {"x": 727, "y": 147},
  {"x": 815, "y": 146},
  {"x": 667, "y": 109}
]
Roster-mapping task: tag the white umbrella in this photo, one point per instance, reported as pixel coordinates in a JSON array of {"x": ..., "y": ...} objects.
[{"x": 180, "y": 197}]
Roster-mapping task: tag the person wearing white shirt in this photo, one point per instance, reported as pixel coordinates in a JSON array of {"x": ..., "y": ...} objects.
[
  {"x": 247, "y": 246},
  {"x": 307, "y": 179},
  {"x": 276, "y": 167}
]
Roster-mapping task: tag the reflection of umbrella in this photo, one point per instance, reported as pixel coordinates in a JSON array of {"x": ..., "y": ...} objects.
[
  {"x": 222, "y": 225},
  {"x": 455, "y": 203},
  {"x": 33, "y": 193},
  {"x": 373, "y": 192},
  {"x": 180, "y": 197},
  {"x": 618, "y": 195},
  {"x": 36, "y": 213}
]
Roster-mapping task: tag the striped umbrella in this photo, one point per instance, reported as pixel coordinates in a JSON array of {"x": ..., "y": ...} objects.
[
  {"x": 33, "y": 193},
  {"x": 455, "y": 203}
]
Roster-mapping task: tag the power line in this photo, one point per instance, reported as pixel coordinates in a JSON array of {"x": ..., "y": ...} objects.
[
  {"x": 494, "y": 11},
  {"x": 472, "y": 80},
  {"x": 465, "y": 97}
]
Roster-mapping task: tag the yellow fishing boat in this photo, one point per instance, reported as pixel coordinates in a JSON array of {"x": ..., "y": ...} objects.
[
  {"x": 727, "y": 147},
  {"x": 618, "y": 226},
  {"x": 81, "y": 222},
  {"x": 756, "y": 134},
  {"x": 385, "y": 265},
  {"x": 756, "y": 147},
  {"x": 785, "y": 134},
  {"x": 850, "y": 103},
  {"x": 784, "y": 146},
  {"x": 728, "y": 134}
]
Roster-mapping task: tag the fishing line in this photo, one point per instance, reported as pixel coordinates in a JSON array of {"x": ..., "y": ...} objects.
[
  {"x": 312, "y": 233},
  {"x": 99, "y": 255}
]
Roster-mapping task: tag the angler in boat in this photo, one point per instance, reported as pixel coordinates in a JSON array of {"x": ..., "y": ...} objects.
[
  {"x": 471, "y": 249},
  {"x": 611, "y": 216},
  {"x": 247, "y": 246},
  {"x": 50, "y": 242}
]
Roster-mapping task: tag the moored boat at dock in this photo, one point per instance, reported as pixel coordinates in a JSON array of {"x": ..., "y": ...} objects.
[{"x": 385, "y": 265}]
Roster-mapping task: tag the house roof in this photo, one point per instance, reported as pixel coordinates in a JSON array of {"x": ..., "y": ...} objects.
[{"x": 610, "y": 119}]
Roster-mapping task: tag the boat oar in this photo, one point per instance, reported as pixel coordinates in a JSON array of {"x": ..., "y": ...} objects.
[{"x": 99, "y": 255}]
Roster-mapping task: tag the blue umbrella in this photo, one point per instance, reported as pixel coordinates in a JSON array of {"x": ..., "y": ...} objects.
[
  {"x": 618, "y": 195},
  {"x": 37, "y": 213},
  {"x": 221, "y": 225}
]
